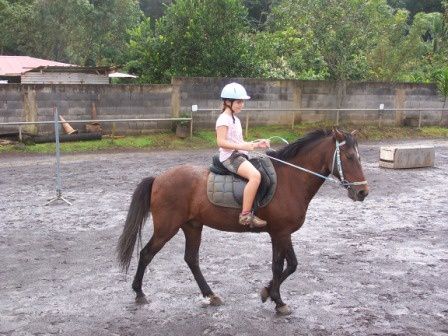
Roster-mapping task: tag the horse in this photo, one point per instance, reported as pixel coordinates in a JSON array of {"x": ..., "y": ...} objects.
[{"x": 177, "y": 200}]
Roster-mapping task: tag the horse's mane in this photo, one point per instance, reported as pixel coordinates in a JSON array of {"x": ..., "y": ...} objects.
[{"x": 291, "y": 150}]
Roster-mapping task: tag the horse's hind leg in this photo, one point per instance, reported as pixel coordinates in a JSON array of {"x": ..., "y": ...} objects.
[
  {"x": 192, "y": 243},
  {"x": 154, "y": 245},
  {"x": 146, "y": 255}
]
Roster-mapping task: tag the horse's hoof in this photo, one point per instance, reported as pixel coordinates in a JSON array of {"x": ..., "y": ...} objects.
[
  {"x": 141, "y": 299},
  {"x": 264, "y": 294},
  {"x": 215, "y": 300},
  {"x": 283, "y": 310}
]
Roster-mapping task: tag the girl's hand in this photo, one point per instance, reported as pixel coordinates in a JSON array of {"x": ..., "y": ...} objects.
[
  {"x": 263, "y": 143},
  {"x": 250, "y": 146}
]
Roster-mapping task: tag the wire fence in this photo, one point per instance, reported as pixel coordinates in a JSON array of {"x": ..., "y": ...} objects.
[
  {"x": 296, "y": 116},
  {"x": 380, "y": 116},
  {"x": 20, "y": 124}
]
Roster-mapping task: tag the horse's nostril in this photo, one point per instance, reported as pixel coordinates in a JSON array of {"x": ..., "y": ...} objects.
[{"x": 363, "y": 193}]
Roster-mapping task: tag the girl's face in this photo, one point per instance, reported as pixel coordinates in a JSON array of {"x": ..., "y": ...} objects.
[{"x": 238, "y": 105}]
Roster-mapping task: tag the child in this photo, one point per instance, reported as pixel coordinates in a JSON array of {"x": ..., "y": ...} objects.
[{"x": 233, "y": 149}]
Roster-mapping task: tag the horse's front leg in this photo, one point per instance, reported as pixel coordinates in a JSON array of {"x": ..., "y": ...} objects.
[
  {"x": 291, "y": 267},
  {"x": 281, "y": 249}
]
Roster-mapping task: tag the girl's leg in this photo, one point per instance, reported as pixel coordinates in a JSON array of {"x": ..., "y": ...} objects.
[{"x": 248, "y": 171}]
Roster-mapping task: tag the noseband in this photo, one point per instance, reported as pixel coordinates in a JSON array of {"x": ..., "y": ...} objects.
[{"x": 336, "y": 160}]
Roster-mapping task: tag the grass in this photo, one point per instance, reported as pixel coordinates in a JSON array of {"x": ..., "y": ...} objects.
[{"x": 206, "y": 138}]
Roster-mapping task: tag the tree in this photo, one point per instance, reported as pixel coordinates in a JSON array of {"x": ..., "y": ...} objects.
[
  {"x": 194, "y": 38},
  {"x": 14, "y": 33},
  {"x": 108, "y": 24},
  {"x": 337, "y": 33},
  {"x": 442, "y": 87},
  {"x": 154, "y": 9},
  {"x": 410, "y": 53},
  {"x": 58, "y": 30},
  {"x": 417, "y": 6},
  {"x": 258, "y": 11},
  {"x": 285, "y": 54},
  {"x": 79, "y": 31}
]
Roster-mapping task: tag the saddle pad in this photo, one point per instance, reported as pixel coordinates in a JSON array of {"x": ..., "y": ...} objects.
[
  {"x": 220, "y": 190},
  {"x": 227, "y": 190}
]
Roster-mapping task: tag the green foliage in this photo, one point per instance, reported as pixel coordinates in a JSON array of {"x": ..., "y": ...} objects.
[
  {"x": 258, "y": 11},
  {"x": 285, "y": 54},
  {"x": 442, "y": 84},
  {"x": 416, "y": 6},
  {"x": 194, "y": 38},
  {"x": 285, "y": 39},
  {"x": 109, "y": 27},
  {"x": 154, "y": 9},
  {"x": 336, "y": 34},
  {"x": 14, "y": 33},
  {"x": 78, "y": 31}
]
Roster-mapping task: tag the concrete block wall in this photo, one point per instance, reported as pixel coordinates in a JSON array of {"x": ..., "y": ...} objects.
[
  {"x": 275, "y": 97},
  {"x": 11, "y": 106},
  {"x": 265, "y": 94},
  {"x": 87, "y": 102}
]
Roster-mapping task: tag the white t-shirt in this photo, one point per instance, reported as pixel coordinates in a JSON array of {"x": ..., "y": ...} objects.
[{"x": 234, "y": 134}]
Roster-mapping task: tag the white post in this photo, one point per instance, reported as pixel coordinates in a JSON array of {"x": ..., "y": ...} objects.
[
  {"x": 380, "y": 114},
  {"x": 194, "y": 108}
]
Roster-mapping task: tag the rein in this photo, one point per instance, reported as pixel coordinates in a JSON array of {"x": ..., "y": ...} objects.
[{"x": 336, "y": 160}]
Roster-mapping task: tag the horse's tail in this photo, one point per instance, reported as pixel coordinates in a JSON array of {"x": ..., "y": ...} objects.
[{"x": 137, "y": 215}]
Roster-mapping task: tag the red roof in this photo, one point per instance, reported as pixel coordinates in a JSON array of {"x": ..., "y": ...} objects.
[{"x": 17, "y": 65}]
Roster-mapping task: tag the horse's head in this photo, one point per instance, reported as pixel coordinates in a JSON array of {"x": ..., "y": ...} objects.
[{"x": 346, "y": 165}]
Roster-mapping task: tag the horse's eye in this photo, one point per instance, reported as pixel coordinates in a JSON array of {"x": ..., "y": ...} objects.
[{"x": 349, "y": 156}]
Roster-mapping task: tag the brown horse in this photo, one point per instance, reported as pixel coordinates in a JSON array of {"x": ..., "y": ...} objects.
[{"x": 178, "y": 200}]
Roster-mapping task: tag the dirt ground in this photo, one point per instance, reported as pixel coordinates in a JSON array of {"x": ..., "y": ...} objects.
[{"x": 372, "y": 268}]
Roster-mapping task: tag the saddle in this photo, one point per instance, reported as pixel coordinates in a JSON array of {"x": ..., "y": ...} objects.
[{"x": 225, "y": 188}]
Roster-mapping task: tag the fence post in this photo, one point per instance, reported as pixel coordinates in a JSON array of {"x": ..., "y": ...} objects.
[
  {"x": 419, "y": 119},
  {"x": 247, "y": 123},
  {"x": 400, "y": 100},
  {"x": 380, "y": 114},
  {"x": 293, "y": 119},
  {"x": 58, "y": 161},
  {"x": 194, "y": 108}
]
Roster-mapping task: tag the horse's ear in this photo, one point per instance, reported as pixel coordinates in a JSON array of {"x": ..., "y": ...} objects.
[
  {"x": 338, "y": 135},
  {"x": 354, "y": 132}
]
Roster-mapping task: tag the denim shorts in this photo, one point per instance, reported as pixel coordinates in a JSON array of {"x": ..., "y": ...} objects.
[{"x": 234, "y": 161}]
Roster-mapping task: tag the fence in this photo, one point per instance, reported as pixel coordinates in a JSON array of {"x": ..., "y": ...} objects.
[
  {"x": 113, "y": 121},
  {"x": 414, "y": 119},
  {"x": 57, "y": 122},
  {"x": 207, "y": 117}
]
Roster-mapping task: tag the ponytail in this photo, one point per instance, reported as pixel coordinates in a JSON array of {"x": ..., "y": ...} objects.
[{"x": 224, "y": 106}]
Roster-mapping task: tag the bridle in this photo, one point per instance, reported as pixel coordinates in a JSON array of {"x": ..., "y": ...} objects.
[{"x": 336, "y": 160}]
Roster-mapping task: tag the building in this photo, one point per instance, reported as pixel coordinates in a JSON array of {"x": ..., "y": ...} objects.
[
  {"x": 12, "y": 67},
  {"x": 66, "y": 75},
  {"x": 29, "y": 70}
]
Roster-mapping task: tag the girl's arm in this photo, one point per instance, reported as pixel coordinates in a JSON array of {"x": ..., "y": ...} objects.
[{"x": 221, "y": 133}]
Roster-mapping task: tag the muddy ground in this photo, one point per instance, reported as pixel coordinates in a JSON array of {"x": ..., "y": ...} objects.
[{"x": 372, "y": 268}]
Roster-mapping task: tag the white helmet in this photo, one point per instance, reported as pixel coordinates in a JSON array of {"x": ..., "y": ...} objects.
[{"x": 234, "y": 91}]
